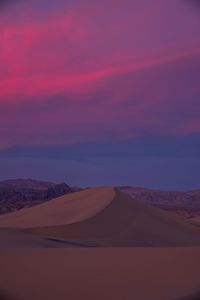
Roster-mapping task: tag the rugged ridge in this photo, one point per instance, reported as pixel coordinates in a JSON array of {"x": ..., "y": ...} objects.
[
  {"x": 20, "y": 193},
  {"x": 183, "y": 203}
]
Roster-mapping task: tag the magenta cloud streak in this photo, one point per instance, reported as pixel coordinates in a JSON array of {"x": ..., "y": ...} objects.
[{"x": 73, "y": 71}]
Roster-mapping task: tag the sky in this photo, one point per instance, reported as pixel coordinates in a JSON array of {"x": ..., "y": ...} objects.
[{"x": 101, "y": 92}]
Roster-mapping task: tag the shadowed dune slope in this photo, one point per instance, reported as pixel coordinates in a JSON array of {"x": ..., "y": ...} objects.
[
  {"x": 66, "y": 209},
  {"x": 126, "y": 222},
  {"x": 18, "y": 239},
  {"x": 104, "y": 217}
]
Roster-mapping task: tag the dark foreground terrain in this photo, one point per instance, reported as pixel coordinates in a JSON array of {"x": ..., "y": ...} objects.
[
  {"x": 108, "y": 273},
  {"x": 98, "y": 244}
]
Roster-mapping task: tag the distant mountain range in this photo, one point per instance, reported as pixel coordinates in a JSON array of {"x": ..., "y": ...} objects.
[
  {"x": 20, "y": 193},
  {"x": 184, "y": 203}
]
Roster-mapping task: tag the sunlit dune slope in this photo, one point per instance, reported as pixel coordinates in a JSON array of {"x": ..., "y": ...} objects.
[
  {"x": 126, "y": 222},
  {"x": 66, "y": 209},
  {"x": 104, "y": 217}
]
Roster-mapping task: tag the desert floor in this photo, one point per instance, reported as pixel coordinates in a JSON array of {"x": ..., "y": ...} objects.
[{"x": 100, "y": 273}]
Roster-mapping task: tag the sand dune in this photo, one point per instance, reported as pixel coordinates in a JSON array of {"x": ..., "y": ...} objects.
[
  {"x": 126, "y": 222},
  {"x": 93, "y": 218},
  {"x": 67, "y": 209},
  {"x": 104, "y": 217},
  {"x": 17, "y": 239}
]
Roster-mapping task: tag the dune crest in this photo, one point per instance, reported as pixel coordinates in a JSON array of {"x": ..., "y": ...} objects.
[
  {"x": 104, "y": 217},
  {"x": 67, "y": 209},
  {"x": 127, "y": 222}
]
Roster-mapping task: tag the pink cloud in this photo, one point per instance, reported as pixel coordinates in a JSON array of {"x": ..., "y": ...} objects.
[
  {"x": 120, "y": 67},
  {"x": 152, "y": 106},
  {"x": 44, "y": 85}
]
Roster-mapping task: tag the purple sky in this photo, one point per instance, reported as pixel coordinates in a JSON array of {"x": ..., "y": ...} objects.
[{"x": 101, "y": 72}]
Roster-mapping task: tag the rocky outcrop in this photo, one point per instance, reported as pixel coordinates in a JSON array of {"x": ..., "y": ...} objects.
[{"x": 17, "y": 194}]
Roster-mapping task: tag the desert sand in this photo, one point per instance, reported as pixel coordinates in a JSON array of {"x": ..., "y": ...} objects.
[
  {"x": 103, "y": 217},
  {"x": 106, "y": 273},
  {"x": 98, "y": 244},
  {"x": 67, "y": 209}
]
